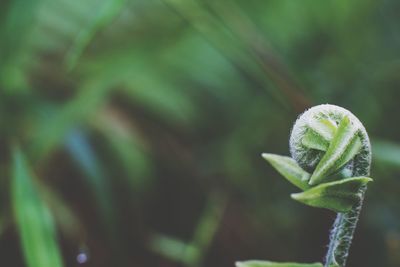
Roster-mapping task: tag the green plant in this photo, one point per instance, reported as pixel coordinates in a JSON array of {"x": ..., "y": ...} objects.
[{"x": 331, "y": 157}]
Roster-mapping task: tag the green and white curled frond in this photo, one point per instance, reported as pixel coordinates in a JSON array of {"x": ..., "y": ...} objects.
[
  {"x": 316, "y": 146},
  {"x": 329, "y": 146},
  {"x": 330, "y": 162}
]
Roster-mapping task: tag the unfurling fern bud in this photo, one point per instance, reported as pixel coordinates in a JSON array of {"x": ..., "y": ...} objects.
[
  {"x": 326, "y": 138},
  {"x": 330, "y": 161},
  {"x": 331, "y": 157}
]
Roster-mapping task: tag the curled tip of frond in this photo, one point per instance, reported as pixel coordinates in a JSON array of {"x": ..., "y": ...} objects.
[{"x": 326, "y": 138}]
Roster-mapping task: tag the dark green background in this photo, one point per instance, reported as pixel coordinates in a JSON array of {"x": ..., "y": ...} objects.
[{"x": 144, "y": 122}]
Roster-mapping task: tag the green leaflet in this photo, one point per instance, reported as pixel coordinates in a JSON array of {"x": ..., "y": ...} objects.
[
  {"x": 343, "y": 147},
  {"x": 324, "y": 128},
  {"x": 289, "y": 168},
  {"x": 34, "y": 220},
  {"x": 257, "y": 263},
  {"x": 319, "y": 134},
  {"x": 314, "y": 141},
  {"x": 352, "y": 150},
  {"x": 339, "y": 196}
]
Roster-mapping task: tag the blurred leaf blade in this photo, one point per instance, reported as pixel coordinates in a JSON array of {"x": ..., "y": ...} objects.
[
  {"x": 82, "y": 153},
  {"x": 15, "y": 26},
  {"x": 107, "y": 12},
  {"x": 52, "y": 130},
  {"x": 207, "y": 227},
  {"x": 34, "y": 220},
  {"x": 386, "y": 152},
  {"x": 173, "y": 249},
  {"x": 125, "y": 142},
  {"x": 216, "y": 32}
]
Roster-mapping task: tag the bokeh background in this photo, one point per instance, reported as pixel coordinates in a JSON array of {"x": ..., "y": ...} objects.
[{"x": 131, "y": 131}]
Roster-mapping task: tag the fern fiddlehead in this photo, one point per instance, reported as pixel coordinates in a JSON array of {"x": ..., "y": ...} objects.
[
  {"x": 330, "y": 162},
  {"x": 355, "y": 151}
]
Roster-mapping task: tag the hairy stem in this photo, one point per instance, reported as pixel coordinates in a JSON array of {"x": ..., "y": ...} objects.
[{"x": 342, "y": 235}]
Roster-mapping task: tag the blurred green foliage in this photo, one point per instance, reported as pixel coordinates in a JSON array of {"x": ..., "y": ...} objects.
[
  {"x": 33, "y": 218},
  {"x": 133, "y": 115}
]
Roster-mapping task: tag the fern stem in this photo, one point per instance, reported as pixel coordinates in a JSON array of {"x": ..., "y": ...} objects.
[{"x": 342, "y": 234}]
